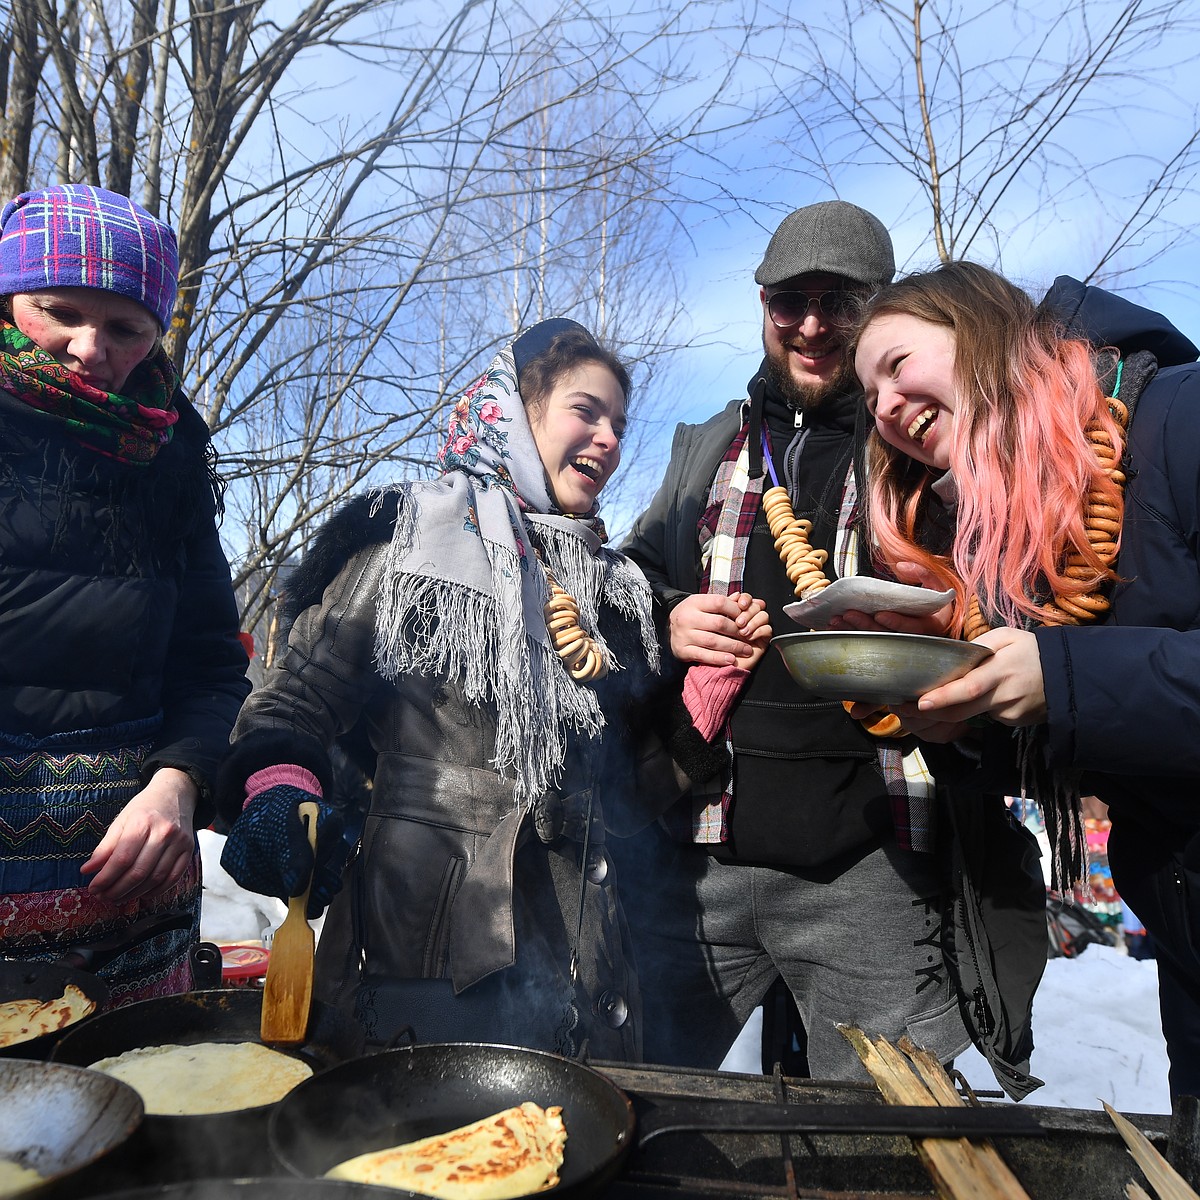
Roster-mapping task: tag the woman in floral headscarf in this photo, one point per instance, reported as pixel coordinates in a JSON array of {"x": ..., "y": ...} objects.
[
  {"x": 475, "y": 646},
  {"x": 122, "y": 672}
]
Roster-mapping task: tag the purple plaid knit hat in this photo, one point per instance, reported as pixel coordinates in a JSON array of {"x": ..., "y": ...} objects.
[{"x": 74, "y": 235}]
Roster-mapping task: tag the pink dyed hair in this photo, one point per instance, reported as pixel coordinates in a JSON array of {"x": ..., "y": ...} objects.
[{"x": 1020, "y": 458}]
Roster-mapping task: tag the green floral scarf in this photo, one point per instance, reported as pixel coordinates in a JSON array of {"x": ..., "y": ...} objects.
[{"x": 130, "y": 428}]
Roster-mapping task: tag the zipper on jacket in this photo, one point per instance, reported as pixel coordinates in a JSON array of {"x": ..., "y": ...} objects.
[{"x": 984, "y": 1021}]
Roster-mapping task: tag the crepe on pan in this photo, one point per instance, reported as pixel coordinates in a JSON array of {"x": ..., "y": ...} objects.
[
  {"x": 511, "y": 1153},
  {"x": 23, "y": 1020},
  {"x": 207, "y": 1077}
]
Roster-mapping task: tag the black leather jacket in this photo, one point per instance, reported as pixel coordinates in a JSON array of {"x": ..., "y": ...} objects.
[{"x": 456, "y": 892}]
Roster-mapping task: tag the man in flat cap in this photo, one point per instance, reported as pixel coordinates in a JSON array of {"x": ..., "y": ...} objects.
[{"x": 806, "y": 848}]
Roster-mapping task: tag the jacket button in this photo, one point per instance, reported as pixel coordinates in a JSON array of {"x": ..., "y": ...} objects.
[
  {"x": 597, "y": 866},
  {"x": 612, "y": 1008}
]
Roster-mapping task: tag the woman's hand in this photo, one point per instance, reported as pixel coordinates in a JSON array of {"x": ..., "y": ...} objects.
[
  {"x": 722, "y": 631},
  {"x": 1007, "y": 687},
  {"x": 149, "y": 845},
  {"x": 926, "y": 726},
  {"x": 894, "y": 622}
]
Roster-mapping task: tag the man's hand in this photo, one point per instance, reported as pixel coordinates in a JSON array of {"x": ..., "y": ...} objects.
[
  {"x": 722, "y": 631},
  {"x": 149, "y": 845}
]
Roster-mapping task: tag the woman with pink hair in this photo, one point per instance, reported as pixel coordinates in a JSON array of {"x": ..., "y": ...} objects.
[{"x": 1006, "y": 464}]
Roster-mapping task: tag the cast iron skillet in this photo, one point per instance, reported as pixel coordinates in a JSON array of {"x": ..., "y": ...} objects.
[
  {"x": 400, "y": 1095},
  {"x": 263, "y": 1188},
  {"x": 60, "y": 1119},
  {"x": 46, "y": 980},
  {"x": 43, "y": 981},
  {"x": 235, "y": 1143},
  {"x": 409, "y": 1093}
]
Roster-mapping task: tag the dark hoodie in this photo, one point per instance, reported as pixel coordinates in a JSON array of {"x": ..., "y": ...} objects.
[{"x": 1108, "y": 320}]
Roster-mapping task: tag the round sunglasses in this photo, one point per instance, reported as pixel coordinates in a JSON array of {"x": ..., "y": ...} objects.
[{"x": 790, "y": 308}]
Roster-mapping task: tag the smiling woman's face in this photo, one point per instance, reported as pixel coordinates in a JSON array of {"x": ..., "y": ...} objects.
[
  {"x": 578, "y": 430},
  {"x": 98, "y": 335},
  {"x": 906, "y": 368}
]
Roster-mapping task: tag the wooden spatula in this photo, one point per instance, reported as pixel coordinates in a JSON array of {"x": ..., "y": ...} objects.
[{"x": 287, "y": 993}]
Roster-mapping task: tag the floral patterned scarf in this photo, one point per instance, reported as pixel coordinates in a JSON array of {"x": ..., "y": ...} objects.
[
  {"x": 130, "y": 428},
  {"x": 464, "y": 587}
]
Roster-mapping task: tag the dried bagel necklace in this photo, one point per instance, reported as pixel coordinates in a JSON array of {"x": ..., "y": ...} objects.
[
  {"x": 1102, "y": 525},
  {"x": 803, "y": 563},
  {"x": 578, "y": 650},
  {"x": 1058, "y": 795},
  {"x": 805, "y": 568}
]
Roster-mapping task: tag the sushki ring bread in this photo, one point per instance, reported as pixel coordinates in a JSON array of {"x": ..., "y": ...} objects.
[{"x": 880, "y": 723}]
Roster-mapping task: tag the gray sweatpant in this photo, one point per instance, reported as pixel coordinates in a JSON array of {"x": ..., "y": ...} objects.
[{"x": 860, "y": 943}]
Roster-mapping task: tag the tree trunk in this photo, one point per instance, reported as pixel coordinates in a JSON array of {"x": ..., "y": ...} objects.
[
  {"x": 152, "y": 188},
  {"x": 128, "y": 94},
  {"x": 21, "y": 73}
]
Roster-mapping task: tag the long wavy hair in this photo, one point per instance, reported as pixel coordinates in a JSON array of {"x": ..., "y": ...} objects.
[{"x": 1021, "y": 460}]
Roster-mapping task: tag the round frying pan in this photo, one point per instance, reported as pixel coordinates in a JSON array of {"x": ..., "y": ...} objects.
[
  {"x": 401, "y": 1095},
  {"x": 43, "y": 981},
  {"x": 264, "y": 1188},
  {"x": 59, "y": 1119},
  {"x": 217, "y": 1015},
  {"x": 46, "y": 980},
  {"x": 235, "y": 1143}
]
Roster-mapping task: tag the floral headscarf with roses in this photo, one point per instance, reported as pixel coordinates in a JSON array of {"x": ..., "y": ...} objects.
[{"x": 464, "y": 587}]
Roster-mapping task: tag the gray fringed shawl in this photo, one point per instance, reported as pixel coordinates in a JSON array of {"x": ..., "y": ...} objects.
[{"x": 463, "y": 591}]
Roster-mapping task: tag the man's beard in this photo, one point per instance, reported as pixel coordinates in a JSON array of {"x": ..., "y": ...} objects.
[{"x": 810, "y": 394}]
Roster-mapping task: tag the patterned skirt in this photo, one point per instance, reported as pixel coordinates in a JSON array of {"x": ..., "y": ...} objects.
[{"x": 58, "y": 796}]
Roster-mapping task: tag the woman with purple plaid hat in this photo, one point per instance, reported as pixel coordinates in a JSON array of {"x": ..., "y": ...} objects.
[{"x": 120, "y": 668}]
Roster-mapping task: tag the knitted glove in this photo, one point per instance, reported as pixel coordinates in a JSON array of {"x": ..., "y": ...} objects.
[
  {"x": 267, "y": 849},
  {"x": 709, "y": 693}
]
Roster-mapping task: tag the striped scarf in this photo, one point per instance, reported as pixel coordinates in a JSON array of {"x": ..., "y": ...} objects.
[{"x": 724, "y": 532}]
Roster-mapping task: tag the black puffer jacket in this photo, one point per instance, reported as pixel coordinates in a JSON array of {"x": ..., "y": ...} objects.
[
  {"x": 115, "y": 593},
  {"x": 1124, "y": 697}
]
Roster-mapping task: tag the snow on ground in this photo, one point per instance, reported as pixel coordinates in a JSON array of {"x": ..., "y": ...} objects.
[
  {"x": 1096, "y": 1024},
  {"x": 230, "y": 913},
  {"x": 1096, "y": 1032}
]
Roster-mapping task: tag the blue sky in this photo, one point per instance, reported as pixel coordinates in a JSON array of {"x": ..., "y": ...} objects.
[
  {"x": 1054, "y": 220},
  {"x": 740, "y": 187}
]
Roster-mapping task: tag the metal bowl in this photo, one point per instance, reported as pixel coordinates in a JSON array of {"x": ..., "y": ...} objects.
[
  {"x": 60, "y": 1120},
  {"x": 880, "y": 668}
]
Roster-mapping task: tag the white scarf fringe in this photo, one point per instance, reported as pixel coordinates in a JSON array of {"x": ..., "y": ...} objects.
[{"x": 445, "y": 629}]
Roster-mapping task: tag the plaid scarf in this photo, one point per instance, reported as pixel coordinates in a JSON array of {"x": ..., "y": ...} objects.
[
  {"x": 131, "y": 429},
  {"x": 724, "y": 533},
  {"x": 463, "y": 592}
]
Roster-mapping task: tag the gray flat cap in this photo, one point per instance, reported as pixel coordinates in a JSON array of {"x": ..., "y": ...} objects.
[{"x": 835, "y": 237}]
